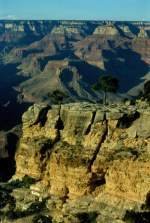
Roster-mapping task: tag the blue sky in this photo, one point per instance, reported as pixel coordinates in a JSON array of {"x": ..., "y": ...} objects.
[{"x": 75, "y": 9}]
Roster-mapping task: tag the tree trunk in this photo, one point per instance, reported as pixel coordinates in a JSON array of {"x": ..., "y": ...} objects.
[{"x": 104, "y": 98}]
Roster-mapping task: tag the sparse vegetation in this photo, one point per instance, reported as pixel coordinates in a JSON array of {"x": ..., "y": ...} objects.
[
  {"x": 42, "y": 219},
  {"x": 123, "y": 153},
  {"x": 35, "y": 208},
  {"x": 58, "y": 96},
  {"x": 87, "y": 217},
  {"x": 106, "y": 84},
  {"x": 142, "y": 216}
]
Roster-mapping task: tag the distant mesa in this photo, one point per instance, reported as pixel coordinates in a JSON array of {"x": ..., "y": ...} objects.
[
  {"x": 65, "y": 30},
  {"x": 109, "y": 30}
]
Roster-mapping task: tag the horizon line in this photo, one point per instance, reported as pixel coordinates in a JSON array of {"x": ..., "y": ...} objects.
[{"x": 80, "y": 20}]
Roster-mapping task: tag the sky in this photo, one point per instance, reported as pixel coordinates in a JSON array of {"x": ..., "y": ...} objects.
[{"x": 76, "y": 9}]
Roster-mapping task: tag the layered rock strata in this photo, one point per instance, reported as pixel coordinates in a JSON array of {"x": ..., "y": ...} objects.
[{"x": 81, "y": 150}]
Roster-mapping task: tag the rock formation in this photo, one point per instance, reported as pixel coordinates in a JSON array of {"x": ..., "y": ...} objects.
[
  {"x": 33, "y": 53},
  {"x": 127, "y": 31},
  {"x": 142, "y": 33},
  {"x": 108, "y": 30},
  {"x": 74, "y": 162},
  {"x": 85, "y": 160}
]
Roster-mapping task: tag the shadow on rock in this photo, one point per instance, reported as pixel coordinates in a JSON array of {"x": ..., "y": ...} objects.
[{"x": 127, "y": 66}]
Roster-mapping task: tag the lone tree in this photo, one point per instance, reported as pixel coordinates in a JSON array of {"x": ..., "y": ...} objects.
[
  {"x": 58, "y": 96},
  {"x": 106, "y": 84}
]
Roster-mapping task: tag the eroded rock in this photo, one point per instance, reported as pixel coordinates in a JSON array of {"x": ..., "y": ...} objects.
[{"x": 83, "y": 150}]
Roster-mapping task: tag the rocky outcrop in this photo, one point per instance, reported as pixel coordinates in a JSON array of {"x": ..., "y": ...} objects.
[
  {"x": 25, "y": 26},
  {"x": 65, "y": 30},
  {"x": 142, "y": 33},
  {"x": 108, "y": 30},
  {"x": 87, "y": 153}
]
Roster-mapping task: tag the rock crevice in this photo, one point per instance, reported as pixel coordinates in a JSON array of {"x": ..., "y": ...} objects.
[{"x": 82, "y": 148}]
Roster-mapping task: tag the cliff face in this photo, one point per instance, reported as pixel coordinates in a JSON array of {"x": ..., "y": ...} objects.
[{"x": 90, "y": 157}]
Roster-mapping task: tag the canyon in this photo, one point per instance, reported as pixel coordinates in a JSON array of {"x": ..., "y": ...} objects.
[
  {"x": 64, "y": 156},
  {"x": 39, "y": 57}
]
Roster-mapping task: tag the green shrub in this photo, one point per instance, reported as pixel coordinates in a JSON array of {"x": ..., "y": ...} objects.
[
  {"x": 42, "y": 219},
  {"x": 87, "y": 217}
]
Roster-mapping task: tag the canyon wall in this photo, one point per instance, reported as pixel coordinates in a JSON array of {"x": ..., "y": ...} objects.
[
  {"x": 39, "y": 57},
  {"x": 86, "y": 152}
]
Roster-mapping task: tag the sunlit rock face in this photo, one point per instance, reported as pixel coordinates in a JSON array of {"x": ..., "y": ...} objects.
[
  {"x": 108, "y": 30},
  {"x": 85, "y": 154},
  {"x": 142, "y": 33}
]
